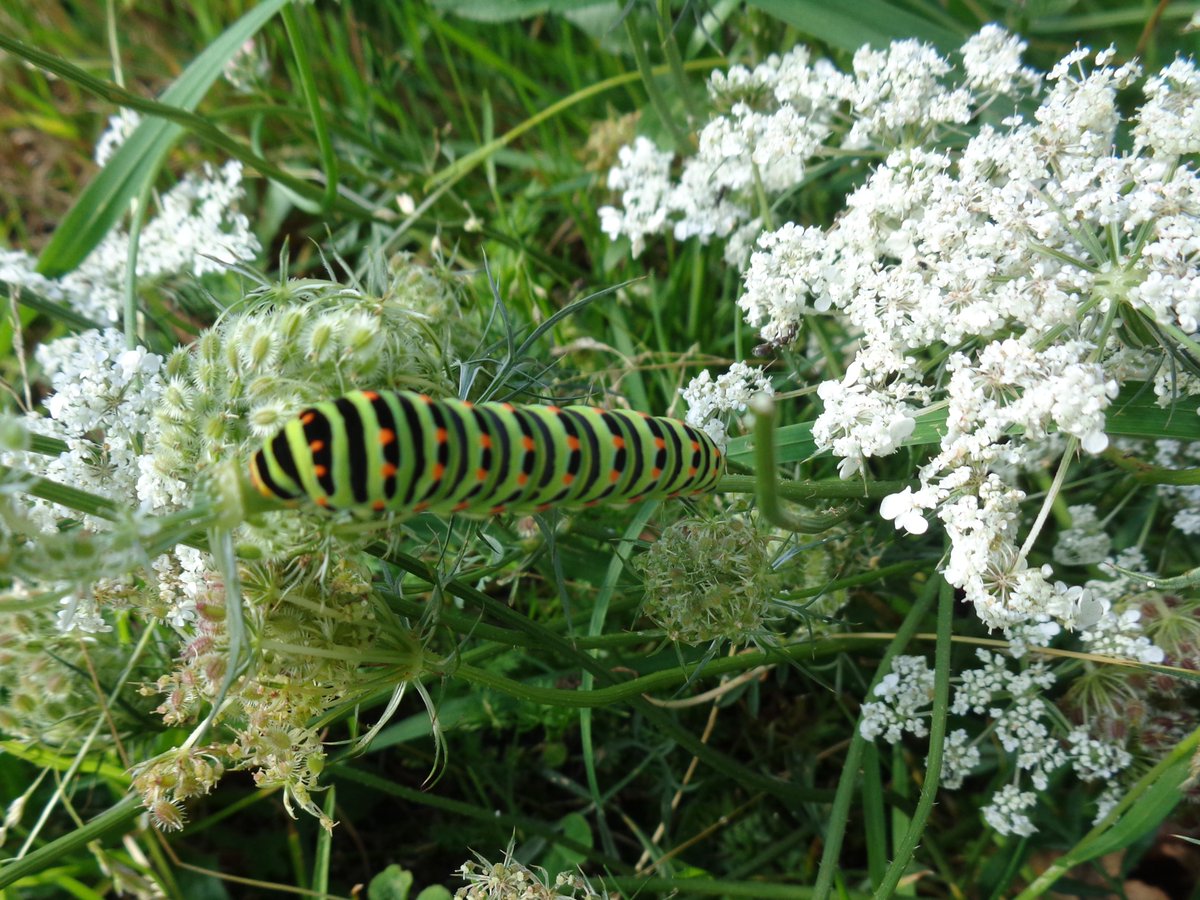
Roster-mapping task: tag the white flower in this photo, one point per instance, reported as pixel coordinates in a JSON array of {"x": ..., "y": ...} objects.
[
  {"x": 959, "y": 757},
  {"x": 903, "y": 694},
  {"x": 1008, "y": 812},
  {"x": 642, "y": 174},
  {"x": 197, "y": 231},
  {"x": 1096, "y": 760},
  {"x": 120, "y": 127},
  {"x": 1119, "y": 633},
  {"x": 905, "y": 510},
  {"x": 992, "y": 60},
  {"x": 708, "y": 399},
  {"x": 1169, "y": 122}
]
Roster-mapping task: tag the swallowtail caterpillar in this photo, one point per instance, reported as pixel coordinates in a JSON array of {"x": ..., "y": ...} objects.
[{"x": 406, "y": 453}]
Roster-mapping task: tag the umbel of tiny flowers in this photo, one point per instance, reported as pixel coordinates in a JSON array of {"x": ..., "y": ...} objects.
[
  {"x": 1013, "y": 711},
  {"x": 196, "y": 231},
  {"x": 1015, "y": 280}
]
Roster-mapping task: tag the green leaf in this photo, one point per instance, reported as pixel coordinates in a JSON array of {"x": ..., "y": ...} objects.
[
  {"x": 1135, "y": 413},
  {"x": 564, "y": 859},
  {"x": 393, "y": 883},
  {"x": 435, "y": 892},
  {"x": 1141, "y": 818},
  {"x": 509, "y": 10},
  {"x": 848, "y": 26},
  {"x": 138, "y": 160}
]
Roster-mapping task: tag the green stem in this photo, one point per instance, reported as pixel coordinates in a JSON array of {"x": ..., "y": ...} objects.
[
  {"x": 937, "y": 742},
  {"x": 666, "y": 33},
  {"x": 801, "y": 491},
  {"x": 116, "y": 817},
  {"x": 137, "y": 220},
  {"x": 1145, "y": 473},
  {"x": 784, "y": 790},
  {"x": 58, "y": 311},
  {"x": 308, "y": 84},
  {"x": 657, "y": 100},
  {"x": 825, "y": 645},
  {"x": 767, "y": 478},
  {"x": 835, "y": 828}
]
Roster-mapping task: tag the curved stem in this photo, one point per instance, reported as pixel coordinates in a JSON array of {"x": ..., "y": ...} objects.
[{"x": 767, "y": 480}]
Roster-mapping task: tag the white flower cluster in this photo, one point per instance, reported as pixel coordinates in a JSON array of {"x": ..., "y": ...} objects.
[
  {"x": 197, "y": 230},
  {"x": 1014, "y": 259},
  {"x": 100, "y": 388},
  {"x": 102, "y": 408},
  {"x": 1025, "y": 724},
  {"x": 708, "y": 398},
  {"x": 904, "y": 695},
  {"x": 781, "y": 115}
]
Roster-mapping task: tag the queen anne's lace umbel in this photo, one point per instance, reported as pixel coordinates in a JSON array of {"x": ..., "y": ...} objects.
[{"x": 1018, "y": 261}]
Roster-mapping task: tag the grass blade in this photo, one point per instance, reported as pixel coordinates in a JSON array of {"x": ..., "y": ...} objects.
[{"x": 138, "y": 160}]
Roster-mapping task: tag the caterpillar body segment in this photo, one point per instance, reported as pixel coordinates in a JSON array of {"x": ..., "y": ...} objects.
[{"x": 405, "y": 453}]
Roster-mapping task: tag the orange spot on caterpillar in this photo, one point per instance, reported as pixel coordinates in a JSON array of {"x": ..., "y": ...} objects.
[
  {"x": 618, "y": 442},
  {"x": 386, "y": 436},
  {"x": 316, "y": 446},
  {"x": 307, "y": 418},
  {"x": 508, "y": 407},
  {"x": 695, "y": 446},
  {"x": 387, "y": 470},
  {"x": 554, "y": 409},
  {"x": 440, "y": 436},
  {"x": 425, "y": 398},
  {"x": 370, "y": 395},
  {"x": 614, "y": 475},
  {"x": 495, "y": 510},
  {"x": 573, "y": 442},
  {"x": 467, "y": 404},
  {"x": 379, "y": 506},
  {"x": 543, "y": 507},
  {"x": 655, "y": 473},
  {"x": 522, "y": 479},
  {"x": 485, "y": 441},
  {"x": 319, "y": 471},
  {"x": 438, "y": 471},
  {"x": 421, "y": 507},
  {"x": 481, "y": 474},
  {"x": 322, "y": 501},
  {"x": 692, "y": 471},
  {"x": 568, "y": 478},
  {"x": 659, "y": 444},
  {"x": 528, "y": 444},
  {"x": 461, "y": 506}
]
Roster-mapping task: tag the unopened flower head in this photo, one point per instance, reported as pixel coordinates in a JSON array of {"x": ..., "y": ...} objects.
[{"x": 710, "y": 580}]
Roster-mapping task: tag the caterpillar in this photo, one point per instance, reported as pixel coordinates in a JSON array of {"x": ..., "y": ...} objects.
[{"x": 407, "y": 453}]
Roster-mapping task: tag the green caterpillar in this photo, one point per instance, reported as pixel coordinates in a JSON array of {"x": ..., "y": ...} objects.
[{"x": 406, "y": 453}]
